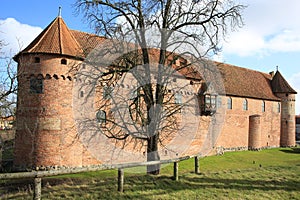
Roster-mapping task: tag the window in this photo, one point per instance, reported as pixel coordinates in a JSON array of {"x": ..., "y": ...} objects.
[
  {"x": 36, "y": 85},
  {"x": 278, "y": 107},
  {"x": 37, "y": 60},
  {"x": 63, "y": 61},
  {"x": 107, "y": 92},
  {"x": 101, "y": 117},
  {"x": 263, "y": 106},
  {"x": 229, "y": 103},
  {"x": 210, "y": 103},
  {"x": 178, "y": 98},
  {"x": 245, "y": 104}
]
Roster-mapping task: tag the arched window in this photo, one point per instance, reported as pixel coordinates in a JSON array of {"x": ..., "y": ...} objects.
[
  {"x": 278, "y": 107},
  {"x": 63, "y": 61},
  {"x": 229, "y": 103},
  {"x": 245, "y": 104},
  {"x": 101, "y": 117},
  {"x": 263, "y": 106}
]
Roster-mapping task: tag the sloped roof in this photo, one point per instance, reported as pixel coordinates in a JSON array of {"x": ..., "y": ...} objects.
[
  {"x": 87, "y": 41},
  {"x": 56, "y": 38},
  {"x": 280, "y": 85},
  {"x": 244, "y": 82}
]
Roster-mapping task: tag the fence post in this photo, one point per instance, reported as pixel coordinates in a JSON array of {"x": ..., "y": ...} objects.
[
  {"x": 175, "y": 171},
  {"x": 120, "y": 179},
  {"x": 197, "y": 169},
  {"x": 37, "y": 188}
]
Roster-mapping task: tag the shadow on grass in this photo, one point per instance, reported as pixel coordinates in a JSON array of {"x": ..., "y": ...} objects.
[
  {"x": 152, "y": 187},
  {"x": 295, "y": 150},
  {"x": 165, "y": 185}
]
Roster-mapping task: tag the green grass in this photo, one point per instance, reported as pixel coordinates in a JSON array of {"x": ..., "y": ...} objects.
[{"x": 267, "y": 174}]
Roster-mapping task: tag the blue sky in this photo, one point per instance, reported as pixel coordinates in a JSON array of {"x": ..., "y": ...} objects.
[{"x": 270, "y": 37}]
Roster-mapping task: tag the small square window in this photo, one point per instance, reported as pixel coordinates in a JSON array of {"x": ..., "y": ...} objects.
[
  {"x": 37, "y": 60},
  {"x": 63, "y": 61}
]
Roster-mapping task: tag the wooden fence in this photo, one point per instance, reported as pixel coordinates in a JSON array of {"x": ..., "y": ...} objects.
[{"x": 38, "y": 175}]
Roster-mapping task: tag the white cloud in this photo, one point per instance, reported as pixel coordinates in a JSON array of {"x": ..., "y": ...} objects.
[
  {"x": 244, "y": 43},
  {"x": 269, "y": 27},
  {"x": 286, "y": 41},
  {"x": 16, "y": 35}
]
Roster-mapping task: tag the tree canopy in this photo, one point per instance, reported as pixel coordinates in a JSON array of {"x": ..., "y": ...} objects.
[{"x": 154, "y": 41}]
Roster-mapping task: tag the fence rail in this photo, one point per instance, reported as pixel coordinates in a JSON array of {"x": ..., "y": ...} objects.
[{"x": 38, "y": 175}]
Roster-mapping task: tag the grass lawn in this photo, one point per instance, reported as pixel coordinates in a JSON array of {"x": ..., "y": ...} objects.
[{"x": 267, "y": 174}]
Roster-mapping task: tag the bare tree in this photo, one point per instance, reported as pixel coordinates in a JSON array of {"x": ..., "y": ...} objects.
[
  {"x": 8, "y": 91},
  {"x": 159, "y": 39},
  {"x": 8, "y": 84}
]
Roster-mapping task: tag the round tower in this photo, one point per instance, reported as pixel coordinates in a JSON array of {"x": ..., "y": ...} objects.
[
  {"x": 286, "y": 93},
  {"x": 254, "y": 132},
  {"x": 288, "y": 123},
  {"x": 45, "y": 134}
]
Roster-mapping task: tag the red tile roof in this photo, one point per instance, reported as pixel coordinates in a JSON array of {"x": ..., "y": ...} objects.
[
  {"x": 87, "y": 41},
  {"x": 242, "y": 82},
  {"x": 56, "y": 38},
  {"x": 246, "y": 83}
]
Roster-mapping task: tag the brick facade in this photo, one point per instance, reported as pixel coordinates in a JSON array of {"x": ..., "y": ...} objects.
[{"x": 50, "y": 104}]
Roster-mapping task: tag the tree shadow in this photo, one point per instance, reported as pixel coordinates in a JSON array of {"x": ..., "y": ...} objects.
[
  {"x": 150, "y": 187},
  {"x": 295, "y": 150}
]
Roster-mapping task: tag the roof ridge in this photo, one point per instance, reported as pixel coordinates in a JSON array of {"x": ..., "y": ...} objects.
[
  {"x": 60, "y": 35},
  {"x": 244, "y": 68},
  {"x": 92, "y": 34}
]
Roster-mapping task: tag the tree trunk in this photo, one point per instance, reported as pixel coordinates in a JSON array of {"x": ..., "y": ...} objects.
[{"x": 152, "y": 155}]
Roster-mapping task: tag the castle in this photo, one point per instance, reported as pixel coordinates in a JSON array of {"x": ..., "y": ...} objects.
[{"x": 259, "y": 108}]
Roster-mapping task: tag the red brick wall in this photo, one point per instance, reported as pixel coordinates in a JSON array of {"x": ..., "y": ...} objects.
[
  {"x": 287, "y": 119},
  {"x": 47, "y": 134},
  {"x": 235, "y": 132}
]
